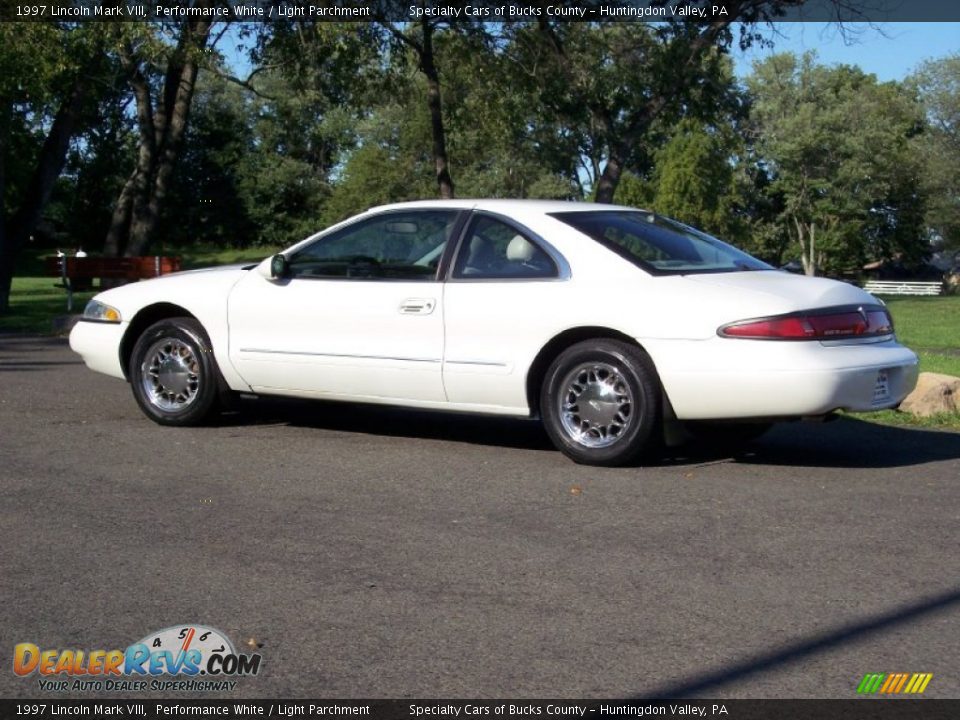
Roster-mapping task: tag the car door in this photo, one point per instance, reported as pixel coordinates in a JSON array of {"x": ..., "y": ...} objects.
[
  {"x": 358, "y": 317},
  {"x": 504, "y": 299}
]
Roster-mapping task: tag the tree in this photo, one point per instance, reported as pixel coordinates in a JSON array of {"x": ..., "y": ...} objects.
[
  {"x": 694, "y": 179},
  {"x": 314, "y": 89},
  {"x": 499, "y": 141},
  {"x": 163, "y": 111},
  {"x": 937, "y": 83},
  {"x": 40, "y": 111},
  {"x": 420, "y": 38},
  {"x": 614, "y": 81},
  {"x": 836, "y": 146},
  {"x": 493, "y": 134},
  {"x": 205, "y": 196}
]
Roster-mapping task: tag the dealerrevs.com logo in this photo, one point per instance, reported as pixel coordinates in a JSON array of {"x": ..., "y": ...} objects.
[{"x": 182, "y": 657}]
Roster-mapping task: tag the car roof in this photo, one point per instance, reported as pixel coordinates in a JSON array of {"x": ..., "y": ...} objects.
[{"x": 505, "y": 207}]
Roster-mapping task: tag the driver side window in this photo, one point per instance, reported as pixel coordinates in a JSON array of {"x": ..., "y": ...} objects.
[
  {"x": 392, "y": 246},
  {"x": 493, "y": 249}
]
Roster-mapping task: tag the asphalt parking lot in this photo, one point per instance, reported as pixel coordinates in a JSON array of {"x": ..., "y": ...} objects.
[{"x": 371, "y": 552}]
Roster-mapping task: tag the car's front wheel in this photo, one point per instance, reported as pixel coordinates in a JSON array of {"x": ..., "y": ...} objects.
[
  {"x": 173, "y": 373},
  {"x": 600, "y": 402}
]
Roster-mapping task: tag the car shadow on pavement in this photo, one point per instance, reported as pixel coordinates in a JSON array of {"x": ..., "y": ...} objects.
[
  {"x": 10, "y": 342},
  {"x": 18, "y": 353},
  {"x": 776, "y": 659},
  {"x": 845, "y": 443},
  {"x": 394, "y": 422},
  {"x": 852, "y": 443},
  {"x": 18, "y": 365}
]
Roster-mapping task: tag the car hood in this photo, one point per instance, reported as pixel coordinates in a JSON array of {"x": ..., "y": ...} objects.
[
  {"x": 214, "y": 269},
  {"x": 190, "y": 289},
  {"x": 197, "y": 278}
]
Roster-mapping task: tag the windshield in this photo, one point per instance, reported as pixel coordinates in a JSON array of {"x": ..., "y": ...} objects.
[{"x": 659, "y": 245}]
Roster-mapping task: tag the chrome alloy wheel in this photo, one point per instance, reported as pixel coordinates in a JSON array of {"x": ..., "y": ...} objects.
[
  {"x": 596, "y": 405},
  {"x": 170, "y": 375}
]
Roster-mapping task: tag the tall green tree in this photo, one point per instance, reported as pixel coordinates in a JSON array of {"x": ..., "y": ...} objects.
[
  {"x": 694, "y": 179},
  {"x": 836, "y": 147},
  {"x": 500, "y": 142},
  {"x": 938, "y": 84},
  {"x": 495, "y": 139},
  {"x": 420, "y": 40},
  {"x": 318, "y": 92},
  {"x": 41, "y": 110},
  {"x": 613, "y": 82},
  {"x": 162, "y": 77},
  {"x": 206, "y": 203}
]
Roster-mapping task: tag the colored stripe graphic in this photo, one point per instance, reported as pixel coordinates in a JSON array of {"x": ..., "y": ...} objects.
[
  {"x": 903, "y": 681},
  {"x": 894, "y": 683},
  {"x": 889, "y": 683},
  {"x": 871, "y": 683},
  {"x": 898, "y": 682}
]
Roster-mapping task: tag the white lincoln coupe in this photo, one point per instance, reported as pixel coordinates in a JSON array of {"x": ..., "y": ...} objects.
[{"x": 608, "y": 323}]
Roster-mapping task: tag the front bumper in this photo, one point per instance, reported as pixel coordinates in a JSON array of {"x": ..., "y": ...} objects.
[
  {"x": 98, "y": 343},
  {"x": 722, "y": 378}
]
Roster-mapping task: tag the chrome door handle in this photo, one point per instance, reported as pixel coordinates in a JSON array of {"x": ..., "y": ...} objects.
[{"x": 417, "y": 306}]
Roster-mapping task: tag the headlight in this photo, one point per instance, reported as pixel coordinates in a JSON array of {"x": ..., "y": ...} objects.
[{"x": 101, "y": 312}]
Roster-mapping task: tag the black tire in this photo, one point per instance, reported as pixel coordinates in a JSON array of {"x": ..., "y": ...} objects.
[
  {"x": 725, "y": 435},
  {"x": 617, "y": 419},
  {"x": 173, "y": 373}
]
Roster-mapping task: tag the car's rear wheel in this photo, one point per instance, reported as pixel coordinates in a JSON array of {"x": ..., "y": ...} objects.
[
  {"x": 173, "y": 373},
  {"x": 600, "y": 402}
]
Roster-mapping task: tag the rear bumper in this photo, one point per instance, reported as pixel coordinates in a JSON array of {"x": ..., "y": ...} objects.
[
  {"x": 722, "y": 378},
  {"x": 99, "y": 345}
]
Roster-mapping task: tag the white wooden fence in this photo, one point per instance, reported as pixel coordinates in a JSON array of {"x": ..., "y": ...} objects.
[{"x": 897, "y": 287}]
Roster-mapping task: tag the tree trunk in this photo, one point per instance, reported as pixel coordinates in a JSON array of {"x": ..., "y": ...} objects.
[
  {"x": 53, "y": 155},
  {"x": 806, "y": 237},
  {"x": 135, "y": 218},
  {"x": 137, "y": 188},
  {"x": 811, "y": 266},
  {"x": 444, "y": 181},
  {"x": 176, "y": 113},
  {"x": 120, "y": 219},
  {"x": 607, "y": 186}
]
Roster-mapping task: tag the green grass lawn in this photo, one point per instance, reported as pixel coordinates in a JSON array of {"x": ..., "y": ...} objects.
[
  {"x": 35, "y": 302},
  {"x": 931, "y": 327},
  {"x": 927, "y": 322},
  {"x": 928, "y": 325}
]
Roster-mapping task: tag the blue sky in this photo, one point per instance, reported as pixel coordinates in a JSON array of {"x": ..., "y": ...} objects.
[{"x": 888, "y": 50}]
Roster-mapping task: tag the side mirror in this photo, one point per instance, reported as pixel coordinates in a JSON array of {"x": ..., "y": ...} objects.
[{"x": 279, "y": 267}]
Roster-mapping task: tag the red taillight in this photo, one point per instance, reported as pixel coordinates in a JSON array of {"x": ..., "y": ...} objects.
[
  {"x": 827, "y": 324},
  {"x": 788, "y": 327}
]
